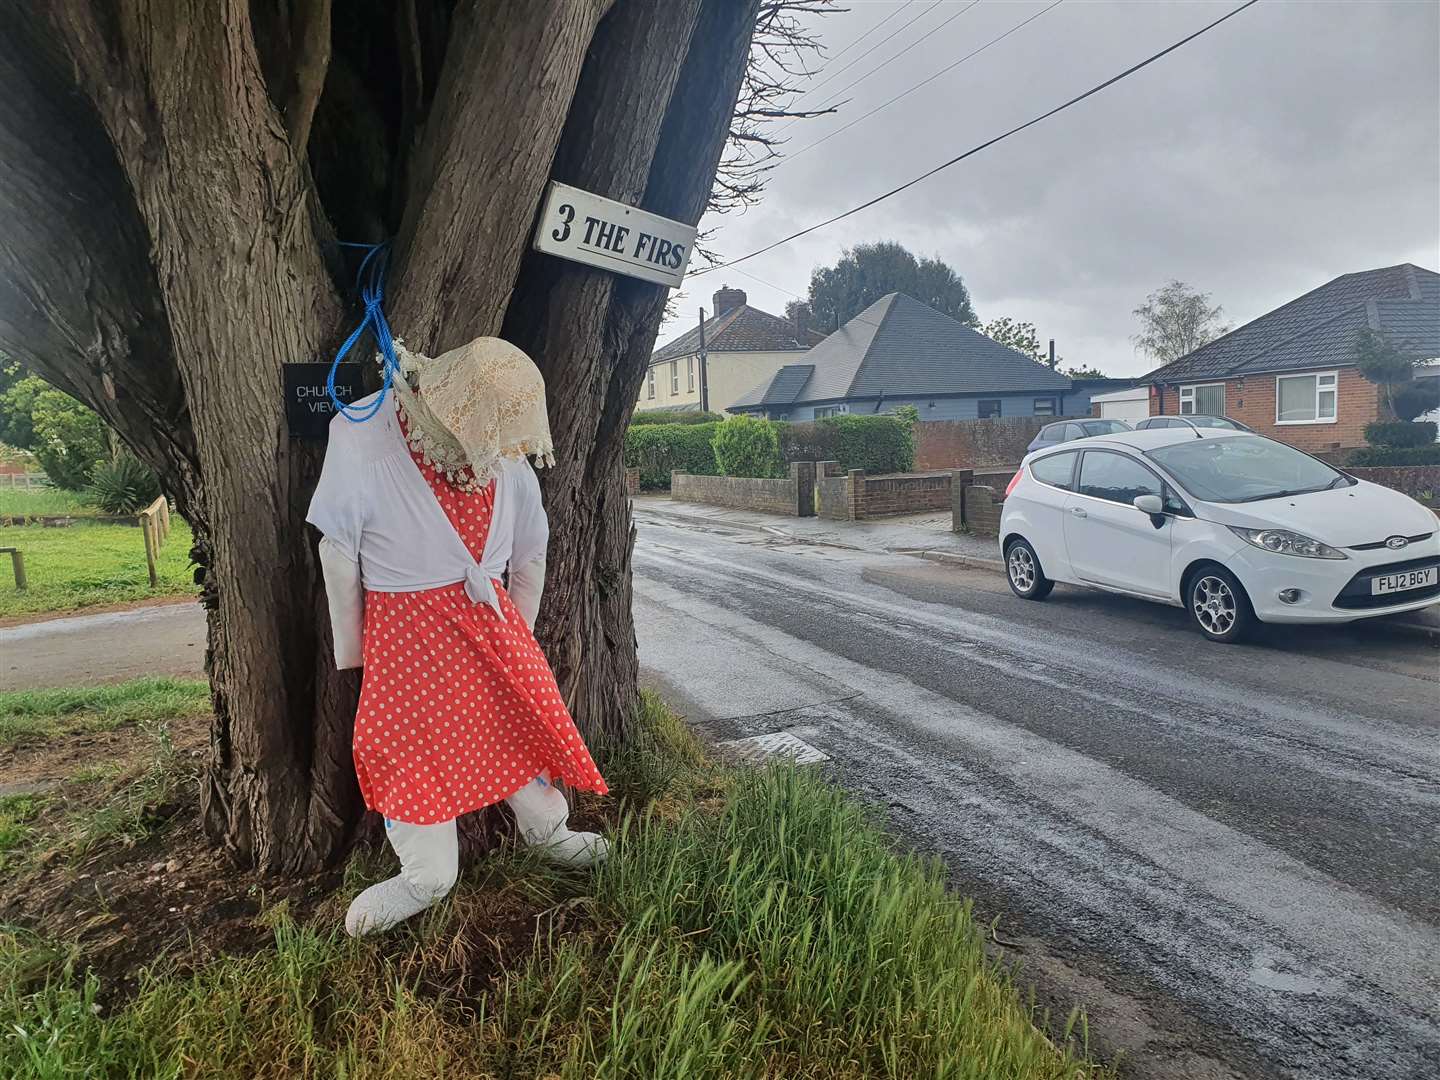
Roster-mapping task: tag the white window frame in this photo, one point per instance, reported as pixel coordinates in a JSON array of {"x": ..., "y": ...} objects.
[
  {"x": 1333, "y": 389},
  {"x": 674, "y": 378},
  {"x": 650, "y": 384},
  {"x": 823, "y": 411},
  {"x": 1187, "y": 397},
  {"x": 999, "y": 407},
  {"x": 1054, "y": 406},
  {"x": 690, "y": 373}
]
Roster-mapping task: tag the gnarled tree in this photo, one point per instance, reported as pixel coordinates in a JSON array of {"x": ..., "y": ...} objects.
[{"x": 174, "y": 175}]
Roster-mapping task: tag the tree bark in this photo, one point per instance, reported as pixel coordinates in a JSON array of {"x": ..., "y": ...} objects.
[
  {"x": 166, "y": 252},
  {"x": 591, "y": 332}
]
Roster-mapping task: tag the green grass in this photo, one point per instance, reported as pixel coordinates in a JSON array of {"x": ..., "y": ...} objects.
[
  {"x": 47, "y": 500},
  {"x": 46, "y": 714},
  {"x": 750, "y": 924},
  {"x": 87, "y": 564},
  {"x": 15, "y": 814}
]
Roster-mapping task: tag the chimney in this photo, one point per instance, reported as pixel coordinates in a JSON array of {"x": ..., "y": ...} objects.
[{"x": 728, "y": 299}]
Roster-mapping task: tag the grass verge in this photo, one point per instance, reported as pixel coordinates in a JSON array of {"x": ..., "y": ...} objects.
[
  {"x": 27, "y": 715},
  {"x": 88, "y": 564},
  {"x": 48, "y": 500},
  {"x": 749, "y": 924}
]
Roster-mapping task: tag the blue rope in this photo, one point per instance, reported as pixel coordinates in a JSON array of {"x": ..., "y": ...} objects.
[{"x": 370, "y": 282}]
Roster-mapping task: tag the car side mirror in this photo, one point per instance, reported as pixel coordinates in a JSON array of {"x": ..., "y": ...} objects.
[{"x": 1150, "y": 504}]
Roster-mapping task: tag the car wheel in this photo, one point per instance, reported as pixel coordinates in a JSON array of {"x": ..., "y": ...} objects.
[
  {"x": 1218, "y": 605},
  {"x": 1023, "y": 571}
]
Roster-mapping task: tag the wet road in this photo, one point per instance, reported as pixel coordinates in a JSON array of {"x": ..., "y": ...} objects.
[{"x": 1229, "y": 855}]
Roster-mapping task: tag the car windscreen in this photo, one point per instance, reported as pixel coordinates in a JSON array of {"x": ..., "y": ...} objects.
[
  {"x": 1214, "y": 422},
  {"x": 1244, "y": 469},
  {"x": 1104, "y": 427}
]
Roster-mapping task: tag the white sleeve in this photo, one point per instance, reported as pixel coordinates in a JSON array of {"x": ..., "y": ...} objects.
[
  {"x": 527, "y": 586},
  {"x": 336, "y": 506},
  {"x": 532, "y": 527},
  {"x": 346, "y": 597}
]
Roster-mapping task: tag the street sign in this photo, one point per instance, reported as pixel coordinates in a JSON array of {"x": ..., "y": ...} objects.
[
  {"x": 308, "y": 407},
  {"x": 600, "y": 232}
]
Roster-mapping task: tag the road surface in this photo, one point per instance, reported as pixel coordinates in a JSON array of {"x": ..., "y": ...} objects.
[{"x": 1230, "y": 855}]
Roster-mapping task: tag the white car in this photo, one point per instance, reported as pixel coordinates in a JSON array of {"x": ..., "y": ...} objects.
[{"x": 1232, "y": 526}]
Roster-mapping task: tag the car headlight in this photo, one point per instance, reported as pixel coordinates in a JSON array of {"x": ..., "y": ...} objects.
[{"x": 1285, "y": 542}]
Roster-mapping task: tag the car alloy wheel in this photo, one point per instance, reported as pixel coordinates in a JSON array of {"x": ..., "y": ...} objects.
[
  {"x": 1022, "y": 568},
  {"x": 1214, "y": 605}
]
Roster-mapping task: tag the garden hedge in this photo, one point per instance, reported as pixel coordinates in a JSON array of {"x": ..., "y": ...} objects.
[
  {"x": 660, "y": 449},
  {"x": 748, "y": 446},
  {"x": 1400, "y": 433},
  {"x": 664, "y": 416},
  {"x": 877, "y": 444},
  {"x": 1371, "y": 457}
]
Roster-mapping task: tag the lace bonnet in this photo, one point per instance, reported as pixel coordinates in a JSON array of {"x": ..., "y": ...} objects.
[{"x": 469, "y": 408}]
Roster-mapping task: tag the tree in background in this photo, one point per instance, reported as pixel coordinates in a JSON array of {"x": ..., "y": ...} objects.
[
  {"x": 1391, "y": 366},
  {"x": 1020, "y": 336},
  {"x": 867, "y": 272},
  {"x": 1176, "y": 320},
  {"x": 1085, "y": 373},
  {"x": 174, "y": 178}
]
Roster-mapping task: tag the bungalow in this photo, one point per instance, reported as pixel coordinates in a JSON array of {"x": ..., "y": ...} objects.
[
  {"x": 1290, "y": 374},
  {"x": 899, "y": 351},
  {"x": 742, "y": 345}
]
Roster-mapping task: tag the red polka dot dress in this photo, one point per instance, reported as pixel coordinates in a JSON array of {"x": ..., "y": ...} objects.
[{"x": 458, "y": 709}]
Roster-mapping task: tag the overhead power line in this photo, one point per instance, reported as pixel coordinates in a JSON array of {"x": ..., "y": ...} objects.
[
  {"x": 987, "y": 144},
  {"x": 883, "y": 64},
  {"x": 863, "y": 36},
  {"x": 924, "y": 82},
  {"x": 872, "y": 48}
]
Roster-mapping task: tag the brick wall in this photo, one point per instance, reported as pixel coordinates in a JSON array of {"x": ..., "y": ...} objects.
[
  {"x": 632, "y": 482},
  {"x": 982, "y": 506},
  {"x": 1420, "y": 482},
  {"x": 1251, "y": 400},
  {"x": 969, "y": 444},
  {"x": 832, "y": 497},
  {"x": 855, "y": 496},
  {"x": 794, "y": 495}
]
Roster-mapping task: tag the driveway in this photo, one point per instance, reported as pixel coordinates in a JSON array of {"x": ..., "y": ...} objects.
[{"x": 1229, "y": 855}]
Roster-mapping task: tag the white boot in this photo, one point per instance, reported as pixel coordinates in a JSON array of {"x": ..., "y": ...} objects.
[
  {"x": 541, "y": 813},
  {"x": 429, "y": 864}
]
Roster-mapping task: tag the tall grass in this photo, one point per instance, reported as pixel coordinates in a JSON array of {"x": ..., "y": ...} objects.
[{"x": 776, "y": 934}]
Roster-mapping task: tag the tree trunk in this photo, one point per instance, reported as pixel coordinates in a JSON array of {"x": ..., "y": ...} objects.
[
  {"x": 166, "y": 251},
  {"x": 591, "y": 332}
]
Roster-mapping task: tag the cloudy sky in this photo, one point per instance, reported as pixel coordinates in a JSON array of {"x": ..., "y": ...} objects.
[{"x": 1298, "y": 141}]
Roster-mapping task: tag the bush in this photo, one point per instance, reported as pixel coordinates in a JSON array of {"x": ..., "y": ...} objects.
[
  {"x": 660, "y": 449},
  {"x": 660, "y": 416},
  {"x": 877, "y": 444},
  {"x": 70, "y": 440},
  {"x": 123, "y": 486},
  {"x": 1372, "y": 457},
  {"x": 748, "y": 446},
  {"x": 1400, "y": 433}
]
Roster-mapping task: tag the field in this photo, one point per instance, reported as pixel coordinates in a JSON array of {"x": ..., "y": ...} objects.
[{"x": 86, "y": 564}]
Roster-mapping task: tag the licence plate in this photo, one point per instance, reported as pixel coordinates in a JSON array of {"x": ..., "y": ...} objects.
[{"x": 1408, "y": 579}]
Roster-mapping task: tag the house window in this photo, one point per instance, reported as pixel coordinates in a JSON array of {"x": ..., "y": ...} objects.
[
  {"x": 822, "y": 411},
  {"x": 674, "y": 377},
  {"x": 1305, "y": 399},
  {"x": 650, "y": 384},
  {"x": 989, "y": 407},
  {"x": 690, "y": 373},
  {"x": 1044, "y": 406},
  {"x": 1207, "y": 399}
]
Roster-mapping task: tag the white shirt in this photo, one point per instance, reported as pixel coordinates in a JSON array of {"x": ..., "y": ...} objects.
[{"x": 378, "y": 513}]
